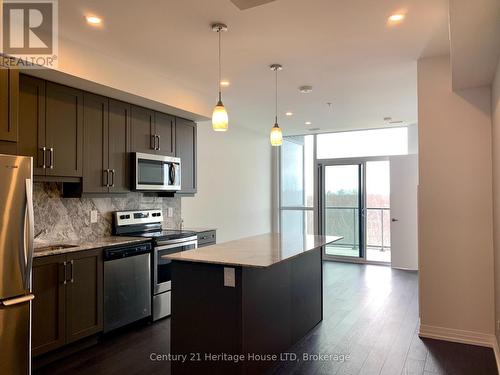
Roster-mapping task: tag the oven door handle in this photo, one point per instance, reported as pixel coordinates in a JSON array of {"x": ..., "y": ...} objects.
[{"x": 177, "y": 244}]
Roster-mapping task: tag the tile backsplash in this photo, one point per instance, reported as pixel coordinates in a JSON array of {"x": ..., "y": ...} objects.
[{"x": 58, "y": 218}]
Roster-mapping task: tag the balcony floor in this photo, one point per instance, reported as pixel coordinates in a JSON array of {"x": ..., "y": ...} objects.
[{"x": 374, "y": 254}]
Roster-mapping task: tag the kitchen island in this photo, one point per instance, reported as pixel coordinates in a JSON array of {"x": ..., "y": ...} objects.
[{"x": 237, "y": 306}]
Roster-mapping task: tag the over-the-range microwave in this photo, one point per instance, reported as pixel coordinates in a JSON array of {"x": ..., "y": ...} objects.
[{"x": 155, "y": 172}]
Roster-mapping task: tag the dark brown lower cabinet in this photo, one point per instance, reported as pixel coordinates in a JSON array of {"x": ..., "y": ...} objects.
[
  {"x": 84, "y": 295},
  {"x": 68, "y": 299},
  {"x": 49, "y": 305}
]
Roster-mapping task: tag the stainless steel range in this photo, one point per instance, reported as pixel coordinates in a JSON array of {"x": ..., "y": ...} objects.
[{"x": 148, "y": 223}]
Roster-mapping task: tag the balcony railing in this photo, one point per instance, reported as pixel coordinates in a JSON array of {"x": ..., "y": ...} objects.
[{"x": 374, "y": 232}]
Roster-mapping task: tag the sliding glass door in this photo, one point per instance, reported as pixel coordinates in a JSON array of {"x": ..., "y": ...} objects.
[
  {"x": 354, "y": 202},
  {"x": 341, "y": 200}
]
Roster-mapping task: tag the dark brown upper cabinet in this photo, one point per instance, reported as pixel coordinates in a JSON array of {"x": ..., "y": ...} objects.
[
  {"x": 165, "y": 134},
  {"x": 51, "y": 127},
  {"x": 64, "y": 130},
  {"x": 69, "y": 299},
  {"x": 142, "y": 130},
  {"x": 185, "y": 148},
  {"x": 96, "y": 174},
  {"x": 152, "y": 132},
  {"x": 119, "y": 145},
  {"x": 32, "y": 117},
  {"x": 9, "y": 101},
  {"x": 106, "y": 145}
]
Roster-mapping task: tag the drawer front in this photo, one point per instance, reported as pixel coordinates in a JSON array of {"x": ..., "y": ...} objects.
[{"x": 207, "y": 238}]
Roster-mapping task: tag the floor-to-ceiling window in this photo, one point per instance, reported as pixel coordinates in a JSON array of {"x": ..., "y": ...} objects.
[
  {"x": 297, "y": 185},
  {"x": 339, "y": 184}
]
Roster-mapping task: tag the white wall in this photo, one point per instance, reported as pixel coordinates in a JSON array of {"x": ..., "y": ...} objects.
[
  {"x": 234, "y": 183},
  {"x": 496, "y": 186},
  {"x": 455, "y": 207}
]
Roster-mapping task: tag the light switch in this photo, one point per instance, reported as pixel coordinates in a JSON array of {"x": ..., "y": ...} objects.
[
  {"x": 170, "y": 212},
  {"x": 229, "y": 277},
  {"x": 93, "y": 216}
]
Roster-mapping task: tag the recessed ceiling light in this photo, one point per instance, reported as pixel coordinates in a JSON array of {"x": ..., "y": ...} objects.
[
  {"x": 224, "y": 83},
  {"x": 308, "y": 122},
  {"x": 289, "y": 113},
  {"x": 93, "y": 20},
  {"x": 396, "y": 17},
  {"x": 305, "y": 89}
]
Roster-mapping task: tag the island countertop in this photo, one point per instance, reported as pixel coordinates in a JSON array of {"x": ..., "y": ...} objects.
[{"x": 257, "y": 251}]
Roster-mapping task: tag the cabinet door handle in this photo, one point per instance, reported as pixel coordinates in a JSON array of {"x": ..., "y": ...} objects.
[
  {"x": 63, "y": 272},
  {"x": 105, "y": 177},
  {"x": 158, "y": 143},
  {"x": 152, "y": 144},
  {"x": 112, "y": 178},
  {"x": 44, "y": 157},
  {"x": 72, "y": 278},
  {"x": 51, "y": 158}
]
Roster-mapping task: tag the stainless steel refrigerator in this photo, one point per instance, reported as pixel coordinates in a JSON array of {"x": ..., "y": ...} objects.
[{"x": 16, "y": 255}]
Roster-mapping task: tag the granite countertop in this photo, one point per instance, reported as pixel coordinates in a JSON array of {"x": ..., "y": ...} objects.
[
  {"x": 83, "y": 245},
  {"x": 258, "y": 251},
  {"x": 199, "y": 230}
]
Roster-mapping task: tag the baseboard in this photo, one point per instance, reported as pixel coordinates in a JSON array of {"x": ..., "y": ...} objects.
[
  {"x": 457, "y": 335},
  {"x": 496, "y": 349},
  {"x": 461, "y": 336}
]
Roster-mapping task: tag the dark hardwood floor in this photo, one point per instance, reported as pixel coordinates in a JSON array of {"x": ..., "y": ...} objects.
[{"x": 370, "y": 314}]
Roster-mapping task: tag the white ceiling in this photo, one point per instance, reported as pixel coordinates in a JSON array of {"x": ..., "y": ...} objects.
[{"x": 344, "y": 49}]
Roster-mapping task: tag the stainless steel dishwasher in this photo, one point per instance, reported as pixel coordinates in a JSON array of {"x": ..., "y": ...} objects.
[{"x": 127, "y": 285}]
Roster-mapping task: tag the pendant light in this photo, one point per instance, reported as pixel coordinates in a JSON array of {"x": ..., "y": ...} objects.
[
  {"x": 219, "y": 116},
  {"x": 276, "y": 136}
]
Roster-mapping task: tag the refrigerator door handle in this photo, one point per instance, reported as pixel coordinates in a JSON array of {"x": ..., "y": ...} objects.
[
  {"x": 18, "y": 300},
  {"x": 28, "y": 238}
]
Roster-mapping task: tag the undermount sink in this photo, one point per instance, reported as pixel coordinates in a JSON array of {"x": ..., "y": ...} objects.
[{"x": 54, "y": 247}]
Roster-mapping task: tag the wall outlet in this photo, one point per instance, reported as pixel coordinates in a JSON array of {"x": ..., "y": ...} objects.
[
  {"x": 170, "y": 212},
  {"x": 229, "y": 277},
  {"x": 93, "y": 216}
]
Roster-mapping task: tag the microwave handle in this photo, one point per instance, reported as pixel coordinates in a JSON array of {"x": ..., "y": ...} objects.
[{"x": 171, "y": 174}]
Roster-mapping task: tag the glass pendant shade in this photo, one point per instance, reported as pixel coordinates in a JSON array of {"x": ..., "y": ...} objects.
[
  {"x": 276, "y": 136},
  {"x": 219, "y": 118}
]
